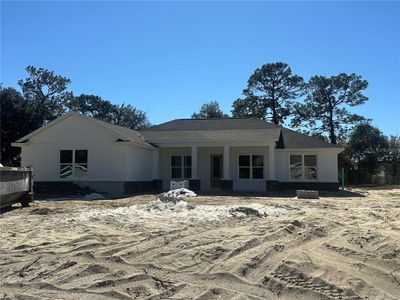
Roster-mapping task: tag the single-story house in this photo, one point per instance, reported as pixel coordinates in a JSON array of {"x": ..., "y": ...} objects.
[{"x": 232, "y": 154}]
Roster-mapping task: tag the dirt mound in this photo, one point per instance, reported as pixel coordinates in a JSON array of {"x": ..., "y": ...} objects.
[
  {"x": 246, "y": 211},
  {"x": 40, "y": 211}
]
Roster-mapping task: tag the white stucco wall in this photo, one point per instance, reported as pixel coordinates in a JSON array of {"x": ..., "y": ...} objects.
[
  {"x": 107, "y": 159},
  {"x": 106, "y": 162},
  {"x": 204, "y": 165},
  {"x": 165, "y": 162},
  {"x": 257, "y": 185},
  {"x": 326, "y": 163},
  {"x": 139, "y": 164}
]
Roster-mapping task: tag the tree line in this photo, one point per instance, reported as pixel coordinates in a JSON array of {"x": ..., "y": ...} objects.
[
  {"x": 273, "y": 93},
  {"x": 320, "y": 107},
  {"x": 45, "y": 97}
]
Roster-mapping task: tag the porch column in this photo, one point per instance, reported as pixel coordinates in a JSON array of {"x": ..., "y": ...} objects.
[
  {"x": 266, "y": 166},
  {"x": 156, "y": 165},
  {"x": 227, "y": 173},
  {"x": 194, "y": 162},
  {"x": 271, "y": 161}
]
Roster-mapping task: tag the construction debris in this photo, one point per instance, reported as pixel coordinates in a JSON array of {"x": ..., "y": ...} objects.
[
  {"x": 305, "y": 194},
  {"x": 176, "y": 195}
]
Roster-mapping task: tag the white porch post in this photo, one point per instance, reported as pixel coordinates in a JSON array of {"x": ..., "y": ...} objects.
[
  {"x": 194, "y": 162},
  {"x": 271, "y": 161},
  {"x": 227, "y": 173},
  {"x": 266, "y": 166},
  {"x": 156, "y": 165}
]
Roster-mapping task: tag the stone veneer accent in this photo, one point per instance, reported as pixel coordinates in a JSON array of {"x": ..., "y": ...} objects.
[
  {"x": 226, "y": 184},
  {"x": 60, "y": 188},
  {"x": 194, "y": 184},
  {"x": 137, "y": 187}
]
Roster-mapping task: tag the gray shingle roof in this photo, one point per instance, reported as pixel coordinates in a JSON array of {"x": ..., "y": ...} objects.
[
  {"x": 230, "y": 129},
  {"x": 291, "y": 139},
  {"x": 212, "y": 136},
  {"x": 212, "y": 124}
]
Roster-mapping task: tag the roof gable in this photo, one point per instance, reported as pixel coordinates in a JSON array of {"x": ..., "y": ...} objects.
[
  {"x": 198, "y": 130},
  {"x": 116, "y": 133}
]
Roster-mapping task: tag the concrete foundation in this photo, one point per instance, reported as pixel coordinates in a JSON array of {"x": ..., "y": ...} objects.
[{"x": 274, "y": 185}]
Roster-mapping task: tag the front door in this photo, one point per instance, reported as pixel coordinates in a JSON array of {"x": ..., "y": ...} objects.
[{"x": 216, "y": 170}]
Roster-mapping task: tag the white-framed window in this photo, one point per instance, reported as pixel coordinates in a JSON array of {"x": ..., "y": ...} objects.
[
  {"x": 73, "y": 164},
  {"x": 181, "y": 166},
  {"x": 251, "y": 166},
  {"x": 303, "y": 167}
]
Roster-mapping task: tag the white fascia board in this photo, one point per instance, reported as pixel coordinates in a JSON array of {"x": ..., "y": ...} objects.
[
  {"x": 19, "y": 145},
  {"x": 60, "y": 119},
  {"x": 45, "y": 127},
  {"x": 129, "y": 143}
]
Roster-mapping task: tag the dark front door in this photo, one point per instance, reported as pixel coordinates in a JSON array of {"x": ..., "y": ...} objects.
[{"x": 216, "y": 170}]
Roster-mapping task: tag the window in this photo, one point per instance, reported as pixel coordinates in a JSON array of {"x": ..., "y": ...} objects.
[
  {"x": 310, "y": 166},
  {"x": 65, "y": 163},
  {"x": 73, "y": 163},
  {"x": 296, "y": 167},
  {"x": 81, "y": 163},
  {"x": 251, "y": 167},
  {"x": 176, "y": 166},
  {"x": 187, "y": 166},
  {"x": 181, "y": 166},
  {"x": 303, "y": 167}
]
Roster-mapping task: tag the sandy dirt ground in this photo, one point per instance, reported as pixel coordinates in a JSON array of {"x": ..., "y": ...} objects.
[{"x": 342, "y": 247}]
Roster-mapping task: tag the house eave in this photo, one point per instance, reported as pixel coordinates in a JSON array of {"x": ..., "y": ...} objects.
[
  {"x": 337, "y": 149},
  {"x": 130, "y": 143},
  {"x": 212, "y": 144},
  {"x": 20, "y": 145}
]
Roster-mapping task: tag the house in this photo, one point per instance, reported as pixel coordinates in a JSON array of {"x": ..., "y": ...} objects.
[{"x": 231, "y": 154}]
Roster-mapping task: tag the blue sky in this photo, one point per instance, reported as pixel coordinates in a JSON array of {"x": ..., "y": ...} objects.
[{"x": 167, "y": 58}]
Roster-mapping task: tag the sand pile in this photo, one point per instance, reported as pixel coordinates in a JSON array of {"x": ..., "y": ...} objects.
[{"x": 172, "y": 207}]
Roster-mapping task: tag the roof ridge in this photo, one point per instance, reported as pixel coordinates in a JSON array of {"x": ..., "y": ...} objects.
[
  {"x": 223, "y": 122},
  {"x": 217, "y": 118}
]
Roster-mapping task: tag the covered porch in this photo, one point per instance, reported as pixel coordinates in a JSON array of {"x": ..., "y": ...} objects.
[{"x": 233, "y": 167}]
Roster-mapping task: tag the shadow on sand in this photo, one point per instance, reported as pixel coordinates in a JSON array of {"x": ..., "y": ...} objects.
[
  {"x": 282, "y": 194},
  {"x": 10, "y": 208}
]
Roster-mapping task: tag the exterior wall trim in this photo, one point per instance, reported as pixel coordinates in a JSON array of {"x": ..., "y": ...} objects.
[
  {"x": 338, "y": 150},
  {"x": 212, "y": 144}
]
